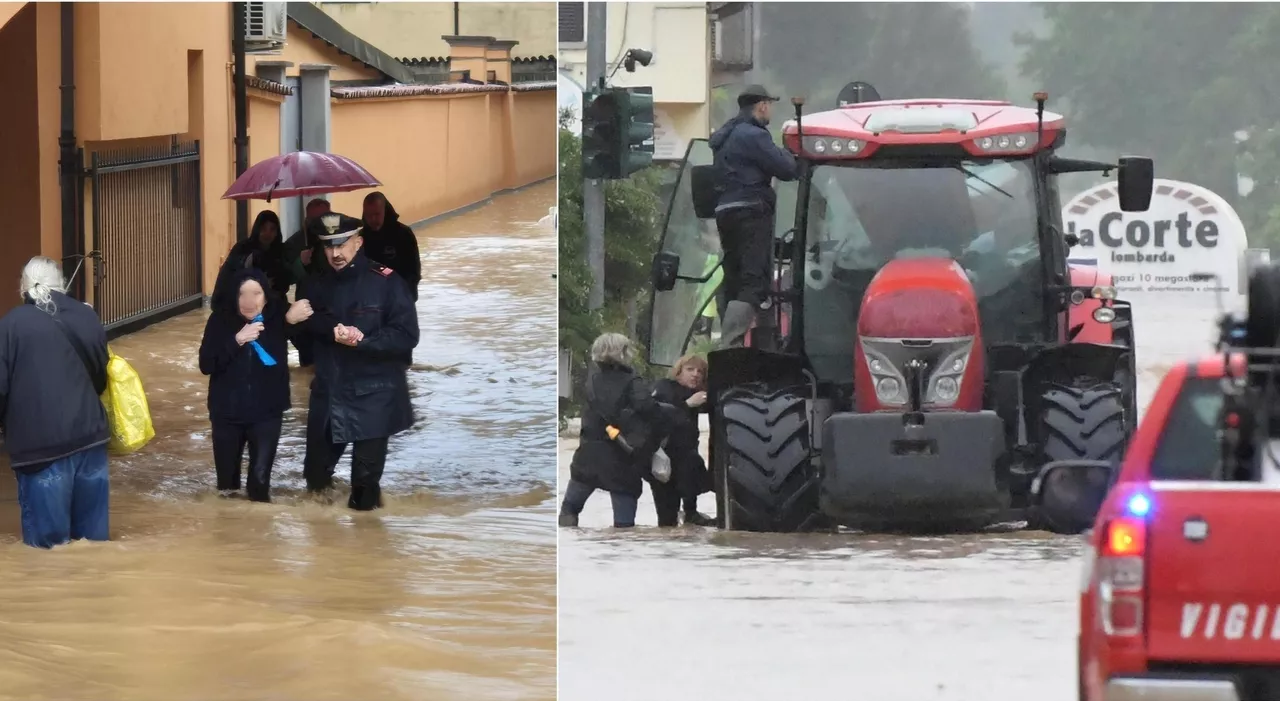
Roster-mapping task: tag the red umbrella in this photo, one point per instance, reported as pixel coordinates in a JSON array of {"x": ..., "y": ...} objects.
[{"x": 301, "y": 173}]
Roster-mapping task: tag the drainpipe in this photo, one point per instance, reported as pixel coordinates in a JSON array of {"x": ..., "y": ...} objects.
[
  {"x": 242, "y": 121},
  {"x": 68, "y": 166},
  {"x": 456, "y": 30}
]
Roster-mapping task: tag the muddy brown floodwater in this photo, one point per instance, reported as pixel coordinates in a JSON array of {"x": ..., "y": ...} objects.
[
  {"x": 447, "y": 593},
  {"x": 696, "y": 613}
]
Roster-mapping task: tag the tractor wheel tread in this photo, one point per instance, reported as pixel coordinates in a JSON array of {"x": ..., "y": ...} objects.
[
  {"x": 771, "y": 481},
  {"x": 1080, "y": 423}
]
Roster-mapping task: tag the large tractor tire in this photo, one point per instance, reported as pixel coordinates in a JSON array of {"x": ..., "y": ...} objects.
[
  {"x": 1078, "y": 423},
  {"x": 768, "y": 480}
]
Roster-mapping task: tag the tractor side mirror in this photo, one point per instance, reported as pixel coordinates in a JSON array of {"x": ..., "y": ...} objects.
[
  {"x": 666, "y": 269},
  {"x": 1069, "y": 493},
  {"x": 1071, "y": 239},
  {"x": 1136, "y": 180}
]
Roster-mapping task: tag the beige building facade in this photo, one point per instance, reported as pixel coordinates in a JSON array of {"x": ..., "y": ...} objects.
[{"x": 414, "y": 29}]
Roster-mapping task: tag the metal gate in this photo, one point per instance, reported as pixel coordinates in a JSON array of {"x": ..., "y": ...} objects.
[{"x": 146, "y": 233}]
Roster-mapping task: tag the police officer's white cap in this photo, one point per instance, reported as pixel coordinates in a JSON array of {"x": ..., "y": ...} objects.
[{"x": 335, "y": 234}]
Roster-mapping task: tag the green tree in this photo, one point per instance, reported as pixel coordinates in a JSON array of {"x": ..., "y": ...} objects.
[
  {"x": 632, "y": 212},
  {"x": 1175, "y": 82}
]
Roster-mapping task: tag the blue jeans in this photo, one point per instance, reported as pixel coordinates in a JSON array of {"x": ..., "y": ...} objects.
[
  {"x": 624, "y": 506},
  {"x": 65, "y": 501}
]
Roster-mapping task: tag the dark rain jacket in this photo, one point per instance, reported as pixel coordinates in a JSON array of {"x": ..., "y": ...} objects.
[
  {"x": 688, "y": 469},
  {"x": 599, "y": 461},
  {"x": 49, "y": 397},
  {"x": 251, "y": 253},
  {"x": 747, "y": 161},
  {"x": 395, "y": 246},
  {"x": 241, "y": 388},
  {"x": 362, "y": 392}
]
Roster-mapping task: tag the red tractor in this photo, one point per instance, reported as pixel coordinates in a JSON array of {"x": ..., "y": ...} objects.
[{"x": 936, "y": 347}]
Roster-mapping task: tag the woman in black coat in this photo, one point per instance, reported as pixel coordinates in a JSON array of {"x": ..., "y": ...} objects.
[
  {"x": 264, "y": 250},
  {"x": 683, "y": 397},
  {"x": 244, "y": 352},
  {"x": 616, "y": 396}
]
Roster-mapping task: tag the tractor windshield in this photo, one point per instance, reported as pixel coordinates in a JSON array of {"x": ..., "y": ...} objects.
[{"x": 861, "y": 216}]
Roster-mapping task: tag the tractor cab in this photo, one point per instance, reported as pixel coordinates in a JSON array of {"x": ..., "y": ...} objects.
[{"x": 970, "y": 180}]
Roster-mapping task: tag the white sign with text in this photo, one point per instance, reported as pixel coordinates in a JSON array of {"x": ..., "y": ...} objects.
[{"x": 1153, "y": 255}]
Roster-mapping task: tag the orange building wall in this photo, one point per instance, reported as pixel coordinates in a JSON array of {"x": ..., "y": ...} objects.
[
  {"x": 465, "y": 147},
  {"x": 18, "y": 121},
  {"x": 264, "y": 140},
  {"x": 147, "y": 71},
  {"x": 534, "y": 135}
]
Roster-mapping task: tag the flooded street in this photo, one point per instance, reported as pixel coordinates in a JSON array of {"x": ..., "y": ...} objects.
[
  {"x": 447, "y": 593},
  {"x": 756, "y": 616}
]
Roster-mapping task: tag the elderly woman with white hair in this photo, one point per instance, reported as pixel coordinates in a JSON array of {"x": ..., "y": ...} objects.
[
  {"x": 53, "y": 368},
  {"x": 619, "y": 402}
]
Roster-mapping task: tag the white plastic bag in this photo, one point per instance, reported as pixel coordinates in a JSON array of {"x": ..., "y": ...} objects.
[{"x": 661, "y": 466}]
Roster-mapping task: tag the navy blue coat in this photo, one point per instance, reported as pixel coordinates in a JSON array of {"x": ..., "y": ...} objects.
[
  {"x": 49, "y": 399},
  {"x": 362, "y": 391},
  {"x": 747, "y": 161}
]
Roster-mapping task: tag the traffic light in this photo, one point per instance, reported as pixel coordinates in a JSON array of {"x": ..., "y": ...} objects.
[
  {"x": 616, "y": 124},
  {"x": 636, "y": 118},
  {"x": 600, "y": 134}
]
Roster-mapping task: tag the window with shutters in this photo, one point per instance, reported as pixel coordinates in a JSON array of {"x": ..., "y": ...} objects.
[{"x": 573, "y": 22}]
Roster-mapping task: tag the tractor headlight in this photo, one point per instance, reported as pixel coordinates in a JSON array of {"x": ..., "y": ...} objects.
[
  {"x": 947, "y": 389},
  {"x": 944, "y": 386},
  {"x": 888, "y": 389},
  {"x": 890, "y": 385},
  {"x": 1104, "y": 315}
]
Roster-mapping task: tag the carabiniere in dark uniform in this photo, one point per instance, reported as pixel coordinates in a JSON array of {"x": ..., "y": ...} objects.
[{"x": 360, "y": 393}]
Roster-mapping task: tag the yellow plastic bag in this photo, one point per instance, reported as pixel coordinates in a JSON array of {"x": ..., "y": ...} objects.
[{"x": 128, "y": 415}]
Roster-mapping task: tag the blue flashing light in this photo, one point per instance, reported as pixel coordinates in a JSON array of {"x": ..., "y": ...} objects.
[{"x": 1139, "y": 505}]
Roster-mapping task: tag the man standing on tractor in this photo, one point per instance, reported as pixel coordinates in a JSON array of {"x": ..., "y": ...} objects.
[{"x": 746, "y": 162}]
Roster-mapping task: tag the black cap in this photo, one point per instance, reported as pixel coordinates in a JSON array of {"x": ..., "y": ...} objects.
[{"x": 755, "y": 93}]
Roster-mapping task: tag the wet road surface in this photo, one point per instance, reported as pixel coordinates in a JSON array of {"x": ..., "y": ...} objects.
[
  {"x": 702, "y": 614},
  {"x": 447, "y": 593}
]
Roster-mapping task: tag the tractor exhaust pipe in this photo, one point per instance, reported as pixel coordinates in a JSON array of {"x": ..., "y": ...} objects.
[{"x": 1040, "y": 98}]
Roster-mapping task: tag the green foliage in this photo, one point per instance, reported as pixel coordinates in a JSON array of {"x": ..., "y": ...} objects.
[
  {"x": 632, "y": 227},
  {"x": 1174, "y": 82}
]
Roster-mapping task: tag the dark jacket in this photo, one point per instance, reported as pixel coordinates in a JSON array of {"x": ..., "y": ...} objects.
[
  {"x": 395, "y": 246},
  {"x": 363, "y": 391},
  {"x": 747, "y": 161},
  {"x": 688, "y": 469},
  {"x": 599, "y": 462},
  {"x": 241, "y": 388},
  {"x": 252, "y": 253},
  {"x": 49, "y": 399}
]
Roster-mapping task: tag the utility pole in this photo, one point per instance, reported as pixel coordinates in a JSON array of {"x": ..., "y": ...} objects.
[
  {"x": 241, "y": 113},
  {"x": 593, "y": 189}
]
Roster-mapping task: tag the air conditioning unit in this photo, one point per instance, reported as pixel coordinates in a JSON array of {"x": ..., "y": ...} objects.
[{"x": 264, "y": 26}]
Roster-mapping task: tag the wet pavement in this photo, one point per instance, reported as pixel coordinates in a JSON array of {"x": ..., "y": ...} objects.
[
  {"x": 447, "y": 593},
  {"x": 703, "y": 614}
]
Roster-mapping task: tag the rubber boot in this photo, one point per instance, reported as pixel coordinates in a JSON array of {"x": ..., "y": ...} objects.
[
  {"x": 568, "y": 520},
  {"x": 697, "y": 518},
  {"x": 738, "y": 316}
]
